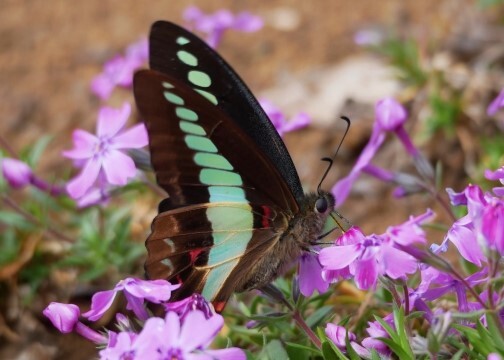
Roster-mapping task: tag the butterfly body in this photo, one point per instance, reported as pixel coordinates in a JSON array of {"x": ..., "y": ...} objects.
[
  {"x": 295, "y": 237},
  {"x": 235, "y": 216}
]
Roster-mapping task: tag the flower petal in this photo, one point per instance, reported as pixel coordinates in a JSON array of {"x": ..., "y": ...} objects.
[
  {"x": 17, "y": 173},
  {"x": 365, "y": 273},
  {"x": 338, "y": 257},
  {"x": 390, "y": 114},
  {"x": 310, "y": 275},
  {"x": 465, "y": 241},
  {"x": 227, "y": 354},
  {"x": 198, "y": 331},
  {"x": 63, "y": 316},
  {"x": 118, "y": 167},
  {"x": 396, "y": 263},
  {"x": 100, "y": 303},
  {"x": 133, "y": 138},
  {"x": 111, "y": 120},
  {"x": 80, "y": 184},
  {"x": 153, "y": 291}
]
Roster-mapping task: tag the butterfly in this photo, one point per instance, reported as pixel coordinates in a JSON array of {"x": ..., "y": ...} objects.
[{"x": 236, "y": 215}]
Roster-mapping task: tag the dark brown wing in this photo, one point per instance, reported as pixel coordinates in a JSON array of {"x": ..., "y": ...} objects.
[{"x": 227, "y": 202}]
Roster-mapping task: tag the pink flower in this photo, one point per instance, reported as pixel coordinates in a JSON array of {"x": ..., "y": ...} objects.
[
  {"x": 17, "y": 173},
  {"x": 214, "y": 25},
  {"x": 496, "y": 175},
  {"x": 65, "y": 317},
  {"x": 481, "y": 229},
  {"x": 101, "y": 154},
  {"x": 120, "y": 346},
  {"x": 367, "y": 257},
  {"x": 169, "y": 338},
  {"x": 376, "y": 330},
  {"x": 341, "y": 189},
  {"x": 492, "y": 226},
  {"x": 496, "y": 104},
  {"x": 435, "y": 284},
  {"x": 338, "y": 335},
  {"x": 135, "y": 291},
  {"x": 279, "y": 120},
  {"x": 390, "y": 115},
  {"x": 310, "y": 275},
  {"x": 119, "y": 70},
  {"x": 189, "y": 304}
]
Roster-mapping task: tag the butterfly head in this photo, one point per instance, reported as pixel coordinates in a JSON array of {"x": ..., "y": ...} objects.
[{"x": 324, "y": 204}]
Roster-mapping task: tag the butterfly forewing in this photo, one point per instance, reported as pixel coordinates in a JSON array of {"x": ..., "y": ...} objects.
[{"x": 179, "y": 53}]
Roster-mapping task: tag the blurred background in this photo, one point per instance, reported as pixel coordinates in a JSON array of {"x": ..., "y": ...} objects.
[{"x": 443, "y": 59}]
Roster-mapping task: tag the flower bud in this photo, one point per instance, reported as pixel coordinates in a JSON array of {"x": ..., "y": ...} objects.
[{"x": 17, "y": 173}]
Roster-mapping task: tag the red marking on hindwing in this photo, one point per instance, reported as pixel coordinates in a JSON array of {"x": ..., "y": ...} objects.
[
  {"x": 194, "y": 254},
  {"x": 265, "y": 217},
  {"x": 219, "y": 305}
]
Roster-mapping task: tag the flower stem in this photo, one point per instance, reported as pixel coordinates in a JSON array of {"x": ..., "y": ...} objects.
[{"x": 300, "y": 321}]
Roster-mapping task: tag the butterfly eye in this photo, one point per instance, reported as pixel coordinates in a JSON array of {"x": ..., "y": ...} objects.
[{"x": 321, "y": 205}]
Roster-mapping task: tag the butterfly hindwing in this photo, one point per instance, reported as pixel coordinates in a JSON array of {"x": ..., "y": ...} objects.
[{"x": 179, "y": 53}]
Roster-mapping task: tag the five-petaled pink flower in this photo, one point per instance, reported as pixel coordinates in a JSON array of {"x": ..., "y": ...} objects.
[
  {"x": 214, "y": 25},
  {"x": 65, "y": 318},
  {"x": 135, "y": 291},
  {"x": 280, "y": 121},
  {"x": 367, "y": 257},
  {"x": 119, "y": 70},
  {"x": 496, "y": 175},
  {"x": 101, "y": 155},
  {"x": 170, "y": 338}
]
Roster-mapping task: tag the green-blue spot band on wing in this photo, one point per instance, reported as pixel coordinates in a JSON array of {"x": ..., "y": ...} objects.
[
  {"x": 233, "y": 229},
  {"x": 210, "y": 97},
  {"x": 182, "y": 40},
  {"x": 187, "y": 58},
  {"x": 191, "y": 128},
  {"x": 231, "y": 245},
  {"x": 220, "y": 177},
  {"x": 199, "y": 78},
  {"x": 200, "y": 143},
  {"x": 173, "y": 98},
  {"x": 213, "y": 161},
  {"x": 216, "y": 278},
  {"x": 186, "y": 114},
  {"x": 226, "y": 194},
  {"x": 167, "y": 85}
]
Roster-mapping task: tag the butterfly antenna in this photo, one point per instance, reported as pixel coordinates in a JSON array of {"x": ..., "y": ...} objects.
[{"x": 331, "y": 160}]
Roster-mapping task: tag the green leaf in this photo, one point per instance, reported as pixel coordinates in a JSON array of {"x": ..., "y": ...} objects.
[
  {"x": 474, "y": 338},
  {"x": 350, "y": 350},
  {"x": 375, "y": 355},
  {"x": 495, "y": 333},
  {"x": 458, "y": 355},
  {"x": 275, "y": 351},
  {"x": 396, "y": 348},
  {"x": 15, "y": 220},
  {"x": 302, "y": 347},
  {"x": 390, "y": 331},
  {"x": 35, "y": 152},
  {"x": 331, "y": 352},
  {"x": 319, "y": 314}
]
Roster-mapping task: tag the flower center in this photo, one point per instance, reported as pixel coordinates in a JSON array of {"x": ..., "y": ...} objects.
[
  {"x": 174, "y": 354},
  {"x": 102, "y": 147}
]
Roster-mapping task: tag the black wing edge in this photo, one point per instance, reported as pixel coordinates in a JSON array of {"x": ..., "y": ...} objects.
[{"x": 236, "y": 99}]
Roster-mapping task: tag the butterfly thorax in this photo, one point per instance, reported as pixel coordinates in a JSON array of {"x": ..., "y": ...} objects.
[{"x": 297, "y": 236}]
